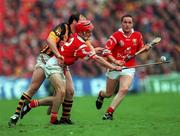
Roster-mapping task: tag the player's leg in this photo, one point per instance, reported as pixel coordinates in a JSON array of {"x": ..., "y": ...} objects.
[
  {"x": 50, "y": 107},
  {"x": 124, "y": 84},
  {"x": 37, "y": 79},
  {"x": 58, "y": 82},
  {"x": 110, "y": 87},
  {"x": 68, "y": 101}
]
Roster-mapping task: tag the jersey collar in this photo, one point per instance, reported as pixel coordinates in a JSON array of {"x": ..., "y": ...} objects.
[{"x": 121, "y": 30}]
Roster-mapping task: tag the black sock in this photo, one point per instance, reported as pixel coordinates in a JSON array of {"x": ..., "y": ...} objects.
[
  {"x": 21, "y": 102},
  {"x": 67, "y": 105}
]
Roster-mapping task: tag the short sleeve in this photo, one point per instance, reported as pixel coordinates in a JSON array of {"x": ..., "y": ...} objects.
[{"x": 84, "y": 52}]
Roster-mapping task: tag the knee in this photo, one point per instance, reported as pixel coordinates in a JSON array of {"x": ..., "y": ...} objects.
[
  {"x": 124, "y": 90},
  {"x": 60, "y": 93}
]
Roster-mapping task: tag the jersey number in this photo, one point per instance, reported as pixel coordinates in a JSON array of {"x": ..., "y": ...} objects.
[{"x": 67, "y": 44}]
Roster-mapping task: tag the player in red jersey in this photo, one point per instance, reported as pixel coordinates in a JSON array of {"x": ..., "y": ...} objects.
[
  {"x": 59, "y": 33},
  {"x": 68, "y": 101},
  {"x": 121, "y": 44},
  {"x": 72, "y": 50}
]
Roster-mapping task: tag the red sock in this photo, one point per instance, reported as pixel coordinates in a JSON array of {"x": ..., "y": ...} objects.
[
  {"x": 110, "y": 110},
  {"x": 53, "y": 117},
  {"x": 34, "y": 103}
]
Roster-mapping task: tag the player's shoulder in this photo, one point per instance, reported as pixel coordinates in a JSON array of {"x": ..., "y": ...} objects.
[
  {"x": 117, "y": 33},
  {"x": 74, "y": 36},
  {"x": 76, "y": 40},
  {"x": 137, "y": 33}
]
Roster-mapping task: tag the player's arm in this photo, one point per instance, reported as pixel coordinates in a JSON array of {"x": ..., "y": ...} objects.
[
  {"x": 110, "y": 44},
  {"x": 53, "y": 39},
  {"x": 105, "y": 63},
  {"x": 85, "y": 53},
  {"x": 88, "y": 43},
  {"x": 97, "y": 50}
]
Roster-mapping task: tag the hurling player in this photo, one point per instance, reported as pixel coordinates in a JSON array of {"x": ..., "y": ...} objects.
[{"x": 121, "y": 44}]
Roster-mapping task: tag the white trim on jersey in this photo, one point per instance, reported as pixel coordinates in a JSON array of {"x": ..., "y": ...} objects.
[
  {"x": 120, "y": 30},
  {"x": 80, "y": 47},
  {"x": 88, "y": 56},
  {"x": 81, "y": 39},
  {"x": 113, "y": 38}
]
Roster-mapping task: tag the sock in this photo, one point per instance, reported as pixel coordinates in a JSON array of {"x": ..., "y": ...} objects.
[
  {"x": 53, "y": 117},
  {"x": 23, "y": 98},
  {"x": 110, "y": 110},
  {"x": 67, "y": 105},
  {"x": 34, "y": 103}
]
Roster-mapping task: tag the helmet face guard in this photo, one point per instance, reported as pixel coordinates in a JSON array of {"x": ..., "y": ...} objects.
[{"x": 84, "y": 29}]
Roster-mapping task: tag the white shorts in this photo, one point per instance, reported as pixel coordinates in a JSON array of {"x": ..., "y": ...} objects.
[
  {"x": 117, "y": 74},
  {"x": 45, "y": 62}
]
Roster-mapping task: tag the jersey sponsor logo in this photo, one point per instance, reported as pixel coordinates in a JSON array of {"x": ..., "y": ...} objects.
[
  {"x": 134, "y": 41},
  {"x": 127, "y": 51},
  {"x": 119, "y": 55},
  {"x": 121, "y": 43},
  {"x": 129, "y": 48}
]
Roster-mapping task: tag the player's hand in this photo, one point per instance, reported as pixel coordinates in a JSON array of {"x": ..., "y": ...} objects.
[
  {"x": 147, "y": 47},
  {"x": 98, "y": 50},
  {"x": 120, "y": 62},
  {"x": 60, "y": 59},
  {"x": 118, "y": 68}
]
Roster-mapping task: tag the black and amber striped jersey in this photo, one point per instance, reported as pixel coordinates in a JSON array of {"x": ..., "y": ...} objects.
[{"x": 60, "y": 33}]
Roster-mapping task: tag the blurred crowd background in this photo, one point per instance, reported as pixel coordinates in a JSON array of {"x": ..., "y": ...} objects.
[{"x": 25, "y": 23}]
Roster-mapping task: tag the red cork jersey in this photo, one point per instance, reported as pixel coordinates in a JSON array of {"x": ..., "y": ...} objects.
[
  {"x": 120, "y": 46},
  {"x": 74, "y": 49}
]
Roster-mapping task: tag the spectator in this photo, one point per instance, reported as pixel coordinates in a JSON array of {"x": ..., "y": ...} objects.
[{"x": 33, "y": 19}]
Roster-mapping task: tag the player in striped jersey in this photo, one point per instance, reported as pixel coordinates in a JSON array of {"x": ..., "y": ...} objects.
[{"x": 60, "y": 33}]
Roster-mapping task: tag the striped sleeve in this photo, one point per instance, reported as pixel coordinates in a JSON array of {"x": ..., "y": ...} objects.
[
  {"x": 54, "y": 37},
  {"x": 55, "y": 34},
  {"x": 110, "y": 44}
]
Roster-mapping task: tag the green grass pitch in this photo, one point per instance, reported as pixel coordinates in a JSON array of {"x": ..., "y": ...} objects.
[{"x": 138, "y": 115}]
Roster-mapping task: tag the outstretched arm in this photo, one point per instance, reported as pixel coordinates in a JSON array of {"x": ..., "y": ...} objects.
[{"x": 106, "y": 64}]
